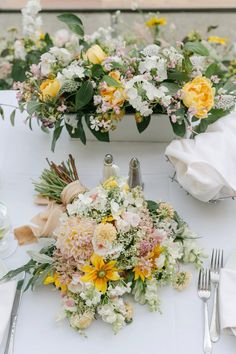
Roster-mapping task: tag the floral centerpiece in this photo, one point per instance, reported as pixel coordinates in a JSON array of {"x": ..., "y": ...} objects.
[
  {"x": 112, "y": 242},
  {"x": 101, "y": 81}
]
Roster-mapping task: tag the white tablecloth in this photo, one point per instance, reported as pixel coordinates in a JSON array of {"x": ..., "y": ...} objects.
[{"x": 179, "y": 329}]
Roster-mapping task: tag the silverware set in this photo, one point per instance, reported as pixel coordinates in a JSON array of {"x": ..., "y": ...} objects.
[
  {"x": 208, "y": 279},
  {"x": 9, "y": 349}
]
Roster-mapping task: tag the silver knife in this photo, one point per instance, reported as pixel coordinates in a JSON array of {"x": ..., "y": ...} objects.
[{"x": 14, "y": 314}]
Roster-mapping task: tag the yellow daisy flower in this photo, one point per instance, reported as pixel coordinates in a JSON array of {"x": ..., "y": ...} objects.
[
  {"x": 100, "y": 273},
  {"x": 218, "y": 40},
  {"x": 54, "y": 279},
  {"x": 155, "y": 21},
  {"x": 107, "y": 219}
]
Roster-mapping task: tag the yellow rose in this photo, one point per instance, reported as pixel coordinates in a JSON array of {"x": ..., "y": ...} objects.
[
  {"x": 95, "y": 54},
  {"x": 49, "y": 88},
  {"x": 115, "y": 96},
  {"x": 199, "y": 95}
]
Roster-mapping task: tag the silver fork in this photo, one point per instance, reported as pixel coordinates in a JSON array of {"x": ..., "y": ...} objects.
[
  {"x": 204, "y": 292},
  {"x": 216, "y": 265}
]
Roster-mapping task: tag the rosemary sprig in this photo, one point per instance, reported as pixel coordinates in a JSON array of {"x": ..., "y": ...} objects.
[{"x": 55, "y": 178}]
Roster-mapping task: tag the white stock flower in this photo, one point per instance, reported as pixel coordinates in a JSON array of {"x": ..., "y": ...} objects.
[
  {"x": 30, "y": 21},
  {"x": 173, "y": 56},
  {"x": 151, "y": 50},
  {"x": 161, "y": 70},
  {"x": 19, "y": 49},
  {"x": 46, "y": 62}
]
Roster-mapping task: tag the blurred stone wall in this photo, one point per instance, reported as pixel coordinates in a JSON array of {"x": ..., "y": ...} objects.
[{"x": 179, "y": 23}]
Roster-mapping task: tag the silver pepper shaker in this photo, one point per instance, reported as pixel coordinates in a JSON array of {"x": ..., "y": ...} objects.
[
  {"x": 135, "y": 177},
  {"x": 109, "y": 168}
]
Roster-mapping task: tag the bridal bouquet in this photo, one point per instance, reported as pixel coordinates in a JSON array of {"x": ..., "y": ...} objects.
[{"x": 111, "y": 242}]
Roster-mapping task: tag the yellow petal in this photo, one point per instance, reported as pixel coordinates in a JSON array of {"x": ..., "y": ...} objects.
[
  {"x": 111, "y": 275},
  {"x": 101, "y": 284},
  {"x": 49, "y": 280},
  {"x": 89, "y": 277},
  {"x": 97, "y": 261},
  {"x": 87, "y": 269},
  {"x": 110, "y": 265}
]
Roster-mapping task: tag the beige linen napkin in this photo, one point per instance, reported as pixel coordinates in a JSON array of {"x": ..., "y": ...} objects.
[{"x": 227, "y": 297}]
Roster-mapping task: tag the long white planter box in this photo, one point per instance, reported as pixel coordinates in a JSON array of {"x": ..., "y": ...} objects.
[{"x": 159, "y": 129}]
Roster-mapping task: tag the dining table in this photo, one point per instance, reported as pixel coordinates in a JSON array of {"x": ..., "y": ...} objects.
[{"x": 178, "y": 329}]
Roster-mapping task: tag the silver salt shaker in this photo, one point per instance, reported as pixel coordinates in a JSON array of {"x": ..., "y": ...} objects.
[{"x": 135, "y": 177}]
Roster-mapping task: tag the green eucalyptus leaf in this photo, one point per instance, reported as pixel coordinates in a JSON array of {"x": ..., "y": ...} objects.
[
  {"x": 56, "y": 136},
  {"x": 111, "y": 82},
  {"x": 39, "y": 257},
  {"x": 152, "y": 206},
  {"x": 97, "y": 71},
  {"x": 201, "y": 127},
  {"x": 12, "y": 117},
  {"x": 216, "y": 114},
  {"x": 18, "y": 70},
  {"x": 210, "y": 28},
  {"x": 188, "y": 66},
  {"x": 73, "y": 22},
  {"x": 84, "y": 95},
  {"x": 33, "y": 107},
  {"x": 230, "y": 85},
  {"x": 172, "y": 87},
  {"x": 2, "y": 112},
  {"x": 69, "y": 18},
  {"x": 178, "y": 76},
  {"x": 197, "y": 48},
  {"x": 143, "y": 124},
  {"x": 212, "y": 69}
]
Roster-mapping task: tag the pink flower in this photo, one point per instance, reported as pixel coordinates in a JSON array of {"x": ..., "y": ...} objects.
[
  {"x": 35, "y": 70},
  {"x": 62, "y": 108},
  {"x": 5, "y": 69},
  {"x": 173, "y": 118},
  {"x": 132, "y": 219}
]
